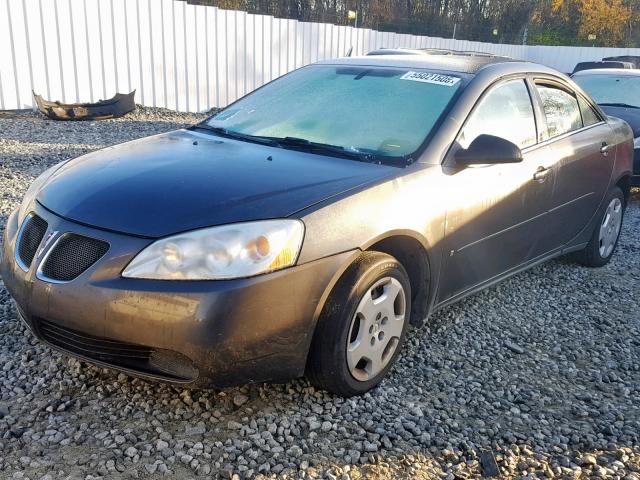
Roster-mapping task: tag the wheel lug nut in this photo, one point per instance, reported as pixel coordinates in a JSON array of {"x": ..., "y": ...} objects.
[
  {"x": 379, "y": 316},
  {"x": 373, "y": 341}
]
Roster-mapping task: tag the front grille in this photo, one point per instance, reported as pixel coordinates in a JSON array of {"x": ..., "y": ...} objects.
[
  {"x": 93, "y": 347},
  {"x": 72, "y": 255},
  {"x": 32, "y": 233},
  {"x": 145, "y": 360}
]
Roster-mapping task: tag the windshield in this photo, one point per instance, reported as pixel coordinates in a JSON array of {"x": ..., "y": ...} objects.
[
  {"x": 379, "y": 111},
  {"x": 611, "y": 89}
]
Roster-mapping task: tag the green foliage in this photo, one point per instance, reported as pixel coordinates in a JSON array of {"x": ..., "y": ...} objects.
[{"x": 555, "y": 37}]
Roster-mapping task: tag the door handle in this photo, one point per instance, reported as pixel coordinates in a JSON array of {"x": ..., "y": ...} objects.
[
  {"x": 604, "y": 149},
  {"x": 541, "y": 174}
]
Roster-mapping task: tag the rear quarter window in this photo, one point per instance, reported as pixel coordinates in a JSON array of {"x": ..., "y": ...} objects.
[
  {"x": 561, "y": 110},
  {"x": 589, "y": 115}
]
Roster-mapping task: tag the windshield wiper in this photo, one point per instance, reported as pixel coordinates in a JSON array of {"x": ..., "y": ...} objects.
[
  {"x": 307, "y": 145},
  {"x": 317, "y": 147},
  {"x": 223, "y": 132},
  {"x": 624, "y": 105}
]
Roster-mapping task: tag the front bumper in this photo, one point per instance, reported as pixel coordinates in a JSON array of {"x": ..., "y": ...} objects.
[
  {"x": 215, "y": 333},
  {"x": 635, "y": 177}
]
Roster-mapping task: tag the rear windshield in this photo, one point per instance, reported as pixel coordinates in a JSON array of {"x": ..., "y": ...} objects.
[
  {"x": 384, "y": 111},
  {"x": 611, "y": 89}
]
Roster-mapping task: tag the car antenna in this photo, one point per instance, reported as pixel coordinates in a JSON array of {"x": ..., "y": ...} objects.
[{"x": 349, "y": 51}]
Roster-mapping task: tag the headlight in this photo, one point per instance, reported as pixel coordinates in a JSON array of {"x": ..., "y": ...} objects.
[
  {"x": 636, "y": 142},
  {"x": 229, "y": 251}
]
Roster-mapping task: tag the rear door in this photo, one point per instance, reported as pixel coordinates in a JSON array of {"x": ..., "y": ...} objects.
[
  {"x": 579, "y": 142},
  {"x": 495, "y": 211}
]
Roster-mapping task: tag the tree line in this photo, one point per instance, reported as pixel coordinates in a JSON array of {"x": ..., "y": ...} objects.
[{"x": 611, "y": 23}]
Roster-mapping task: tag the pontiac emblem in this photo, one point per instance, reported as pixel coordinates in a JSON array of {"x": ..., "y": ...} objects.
[{"x": 51, "y": 235}]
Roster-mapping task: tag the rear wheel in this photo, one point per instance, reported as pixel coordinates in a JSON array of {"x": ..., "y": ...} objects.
[
  {"x": 605, "y": 236},
  {"x": 362, "y": 326}
]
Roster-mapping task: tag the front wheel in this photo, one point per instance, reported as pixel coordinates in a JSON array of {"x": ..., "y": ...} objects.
[
  {"x": 362, "y": 326},
  {"x": 605, "y": 236}
]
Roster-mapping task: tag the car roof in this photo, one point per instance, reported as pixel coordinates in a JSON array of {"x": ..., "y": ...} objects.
[
  {"x": 432, "y": 51},
  {"x": 608, "y": 71},
  {"x": 461, "y": 63},
  {"x": 633, "y": 59},
  {"x": 602, "y": 64}
]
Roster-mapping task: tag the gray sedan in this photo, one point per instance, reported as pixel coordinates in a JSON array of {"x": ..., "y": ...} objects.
[
  {"x": 617, "y": 93},
  {"x": 303, "y": 228}
]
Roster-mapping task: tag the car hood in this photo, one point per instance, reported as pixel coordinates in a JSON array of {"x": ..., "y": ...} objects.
[
  {"x": 629, "y": 115},
  {"x": 183, "y": 180}
]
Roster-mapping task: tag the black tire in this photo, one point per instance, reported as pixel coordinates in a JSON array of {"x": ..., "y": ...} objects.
[
  {"x": 590, "y": 256},
  {"x": 327, "y": 363}
]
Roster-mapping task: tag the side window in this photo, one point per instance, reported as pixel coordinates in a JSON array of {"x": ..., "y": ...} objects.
[
  {"x": 589, "y": 115},
  {"x": 560, "y": 109},
  {"x": 506, "y": 112}
]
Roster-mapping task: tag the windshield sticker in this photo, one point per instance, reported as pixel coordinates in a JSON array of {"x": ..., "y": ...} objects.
[
  {"x": 435, "y": 78},
  {"x": 226, "y": 114}
]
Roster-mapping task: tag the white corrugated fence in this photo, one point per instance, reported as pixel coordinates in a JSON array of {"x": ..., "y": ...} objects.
[{"x": 187, "y": 57}]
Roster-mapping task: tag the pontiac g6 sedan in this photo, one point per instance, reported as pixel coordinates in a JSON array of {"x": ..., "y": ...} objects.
[{"x": 304, "y": 227}]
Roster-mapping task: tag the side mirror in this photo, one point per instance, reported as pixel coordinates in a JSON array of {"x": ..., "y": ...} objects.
[{"x": 489, "y": 149}]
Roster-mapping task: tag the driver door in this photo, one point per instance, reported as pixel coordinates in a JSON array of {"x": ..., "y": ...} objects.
[{"x": 495, "y": 212}]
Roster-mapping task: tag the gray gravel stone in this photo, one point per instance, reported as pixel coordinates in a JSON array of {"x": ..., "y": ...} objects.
[
  {"x": 514, "y": 347},
  {"x": 240, "y": 399},
  {"x": 233, "y": 425},
  {"x": 195, "y": 430},
  {"x": 161, "y": 445},
  {"x": 131, "y": 452}
]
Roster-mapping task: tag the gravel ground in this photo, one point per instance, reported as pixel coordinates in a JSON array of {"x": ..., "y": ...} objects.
[{"x": 542, "y": 372}]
